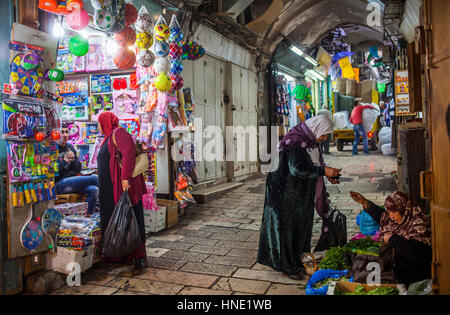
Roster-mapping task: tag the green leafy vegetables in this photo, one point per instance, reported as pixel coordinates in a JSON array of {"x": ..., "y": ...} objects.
[
  {"x": 327, "y": 281},
  {"x": 359, "y": 290}
]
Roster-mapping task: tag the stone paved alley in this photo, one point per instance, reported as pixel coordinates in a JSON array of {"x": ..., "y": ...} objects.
[{"x": 212, "y": 249}]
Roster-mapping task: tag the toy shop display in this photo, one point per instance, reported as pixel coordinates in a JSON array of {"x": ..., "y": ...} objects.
[
  {"x": 26, "y": 73},
  {"x": 83, "y": 133},
  {"x": 29, "y": 161},
  {"x": 125, "y": 102},
  {"x": 100, "y": 83}
]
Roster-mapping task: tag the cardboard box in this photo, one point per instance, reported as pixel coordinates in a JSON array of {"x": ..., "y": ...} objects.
[
  {"x": 350, "y": 88},
  {"x": 155, "y": 221},
  {"x": 60, "y": 260},
  {"x": 358, "y": 90},
  {"x": 367, "y": 87},
  {"x": 171, "y": 211},
  {"x": 351, "y": 286},
  {"x": 341, "y": 85}
]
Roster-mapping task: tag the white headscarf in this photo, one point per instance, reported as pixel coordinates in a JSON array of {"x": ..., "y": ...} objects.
[{"x": 319, "y": 126}]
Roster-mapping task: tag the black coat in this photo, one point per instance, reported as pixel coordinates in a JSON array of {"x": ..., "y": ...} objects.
[{"x": 411, "y": 259}]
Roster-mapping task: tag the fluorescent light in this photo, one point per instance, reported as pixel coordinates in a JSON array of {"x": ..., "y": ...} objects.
[
  {"x": 57, "y": 31},
  {"x": 297, "y": 51},
  {"x": 302, "y": 54},
  {"x": 287, "y": 76},
  {"x": 314, "y": 74}
]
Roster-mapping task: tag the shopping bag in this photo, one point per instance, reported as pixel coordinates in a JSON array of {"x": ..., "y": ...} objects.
[
  {"x": 334, "y": 231},
  {"x": 121, "y": 236}
]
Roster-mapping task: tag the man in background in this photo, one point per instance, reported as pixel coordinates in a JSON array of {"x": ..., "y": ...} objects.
[
  {"x": 358, "y": 128},
  {"x": 69, "y": 180}
]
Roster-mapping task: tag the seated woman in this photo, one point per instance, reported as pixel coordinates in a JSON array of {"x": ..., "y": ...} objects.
[{"x": 405, "y": 232}]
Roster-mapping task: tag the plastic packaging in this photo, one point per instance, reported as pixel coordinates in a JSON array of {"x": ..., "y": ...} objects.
[
  {"x": 387, "y": 150},
  {"x": 384, "y": 136},
  {"x": 320, "y": 275},
  {"x": 369, "y": 116},
  {"x": 122, "y": 235},
  {"x": 341, "y": 120}
]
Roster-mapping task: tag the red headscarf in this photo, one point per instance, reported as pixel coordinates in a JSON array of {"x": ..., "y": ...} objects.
[{"x": 108, "y": 122}]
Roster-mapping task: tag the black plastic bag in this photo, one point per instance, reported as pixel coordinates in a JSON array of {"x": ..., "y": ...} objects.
[
  {"x": 334, "y": 231},
  {"x": 122, "y": 235}
]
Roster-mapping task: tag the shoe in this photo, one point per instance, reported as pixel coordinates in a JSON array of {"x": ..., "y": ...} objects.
[
  {"x": 367, "y": 153},
  {"x": 297, "y": 276},
  {"x": 354, "y": 153},
  {"x": 139, "y": 265}
]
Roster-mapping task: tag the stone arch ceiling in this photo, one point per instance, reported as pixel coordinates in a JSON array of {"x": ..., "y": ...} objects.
[{"x": 306, "y": 22}]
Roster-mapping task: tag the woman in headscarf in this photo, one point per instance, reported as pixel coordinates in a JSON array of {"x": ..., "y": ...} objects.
[
  {"x": 405, "y": 231},
  {"x": 292, "y": 193},
  {"x": 114, "y": 178}
]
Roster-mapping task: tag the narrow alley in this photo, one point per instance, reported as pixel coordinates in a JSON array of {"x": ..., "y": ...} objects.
[{"x": 212, "y": 249}]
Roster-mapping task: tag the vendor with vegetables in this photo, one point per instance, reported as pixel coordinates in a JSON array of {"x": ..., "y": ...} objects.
[
  {"x": 405, "y": 232},
  {"x": 292, "y": 193}
]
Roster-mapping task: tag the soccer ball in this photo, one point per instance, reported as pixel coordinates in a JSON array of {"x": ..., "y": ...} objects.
[
  {"x": 161, "y": 49},
  {"x": 143, "y": 23},
  {"x": 101, "y": 4},
  {"x": 104, "y": 19},
  {"x": 161, "y": 65},
  {"x": 145, "y": 58},
  {"x": 162, "y": 32},
  {"x": 144, "y": 40}
]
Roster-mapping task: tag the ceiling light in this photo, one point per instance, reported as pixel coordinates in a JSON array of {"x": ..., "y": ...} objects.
[
  {"x": 315, "y": 74},
  {"x": 302, "y": 54},
  {"x": 297, "y": 51}
]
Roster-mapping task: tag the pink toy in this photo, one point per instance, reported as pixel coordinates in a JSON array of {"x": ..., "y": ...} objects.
[
  {"x": 74, "y": 133},
  {"x": 77, "y": 20}
]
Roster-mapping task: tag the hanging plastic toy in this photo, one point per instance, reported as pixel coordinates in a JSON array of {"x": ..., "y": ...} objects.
[
  {"x": 77, "y": 20},
  {"x": 78, "y": 45},
  {"x": 27, "y": 82},
  {"x": 60, "y": 7},
  {"x": 161, "y": 49},
  {"x": 162, "y": 31},
  {"x": 163, "y": 82},
  {"x": 144, "y": 20},
  {"x": 104, "y": 19},
  {"x": 161, "y": 65},
  {"x": 145, "y": 58},
  {"x": 144, "y": 40},
  {"x": 176, "y": 35}
]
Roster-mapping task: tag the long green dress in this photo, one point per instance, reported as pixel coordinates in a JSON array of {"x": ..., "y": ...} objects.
[{"x": 287, "y": 221}]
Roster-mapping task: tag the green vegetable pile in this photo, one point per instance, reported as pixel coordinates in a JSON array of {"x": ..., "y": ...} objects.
[
  {"x": 327, "y": 281},
  {"x": 359, "y": 290},
  {"x": 334, "y": 257}
]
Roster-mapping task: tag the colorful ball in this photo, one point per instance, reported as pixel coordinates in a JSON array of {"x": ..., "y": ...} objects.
[
  {"x": 176, "y": 66},
  {"x": 175, "y": 35},
  {"x": 161, "y": 49},
  {"x": 130, "y": 14},
  {"x": 163, "y": 83},
  {"x": 177, "y": 81},
  {"x": 192, "y": 51},
  {"x": 145, "y": 58},
  {"x": 56, "y": 135},
  {"x": 144, "y": 40},
  {"x": 78, "y": 45},
  {"x": 77, "y": 20},
  {"x": 101, "y": 4},
  {"x": 56, "y": 75},
  {"x": 161, "y": 65},
  {"x": 175, "y": 51},
  {"x": 143, "y": 22},
  {"x": 104, "y": 19},
  {"x": 125, "y": 38},
  {"x": 162, "y": 32},
  {"x": 39, "y": 136},
  {"x": 124, "y": 59}
]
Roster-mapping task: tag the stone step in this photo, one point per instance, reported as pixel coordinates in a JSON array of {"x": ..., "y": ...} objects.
[{"x": 208, "y": 194}]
